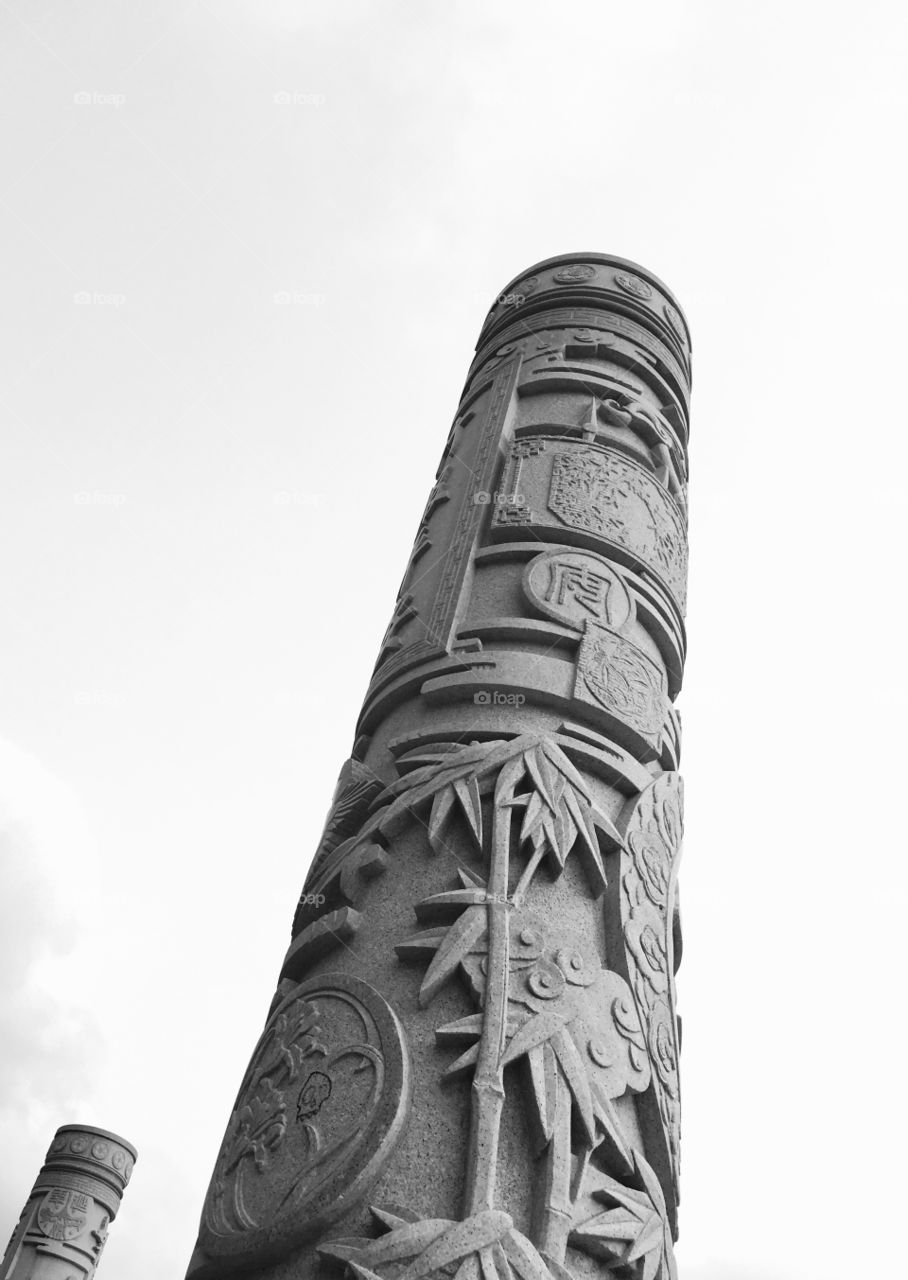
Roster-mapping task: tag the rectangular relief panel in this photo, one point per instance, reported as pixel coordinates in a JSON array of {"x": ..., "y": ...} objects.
[{"x": 603, "y": 500}]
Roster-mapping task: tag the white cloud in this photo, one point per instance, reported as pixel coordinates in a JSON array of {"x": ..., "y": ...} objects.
[{"x": 48, "y": 1019}]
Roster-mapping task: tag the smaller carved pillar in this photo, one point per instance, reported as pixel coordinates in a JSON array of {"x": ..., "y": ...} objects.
[{"x": 64, "y": 1224}]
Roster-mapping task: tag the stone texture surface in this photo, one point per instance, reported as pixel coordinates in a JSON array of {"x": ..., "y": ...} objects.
[
  {"x": 64, "y": 1224},
  {"x": 470, "y": 1065}
]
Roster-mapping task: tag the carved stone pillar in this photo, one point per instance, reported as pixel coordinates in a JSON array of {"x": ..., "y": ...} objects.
[
  {"x": 64, "y": 1224},
  {"x": 470, "y": 1065}
]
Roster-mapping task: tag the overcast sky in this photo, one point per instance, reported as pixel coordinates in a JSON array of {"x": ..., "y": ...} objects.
[{"x": 247, "y": 247}]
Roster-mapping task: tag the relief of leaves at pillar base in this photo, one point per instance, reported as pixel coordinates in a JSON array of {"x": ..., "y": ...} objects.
[{"x": 551, "y": 1021}]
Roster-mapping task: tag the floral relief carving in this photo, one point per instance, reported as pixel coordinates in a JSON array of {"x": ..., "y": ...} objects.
[
  {"x": 622, "y": 679},
  {"x": 648, "y": 890},
  {"x": 321, "y": 1107},
  {"x": 599, "y": 491}
]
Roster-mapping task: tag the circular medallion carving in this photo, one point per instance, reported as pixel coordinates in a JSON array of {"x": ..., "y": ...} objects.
[
  {"x": 320, "y": 1109},
  {"x": 526, "y": 287},
  {"x": 633, "y": 285},
  {"x": 573, "y": 586},
  {"x": 674, "y": 320},
  {"x": 501, "y": 354},
  {"x": 574, "y": 274},
  {"x": 63, "y": 1214}
]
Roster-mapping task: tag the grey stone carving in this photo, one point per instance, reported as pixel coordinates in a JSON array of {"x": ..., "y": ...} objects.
[
  {"x": 322, "y": 1106},
  {"x": 64, "y": 1225},
  {"x": 614, "y": 673},
  {"x": 470, "y": 1066},
  {"x": 576, "y": 587},
  {"x": 584, "y": 492}
]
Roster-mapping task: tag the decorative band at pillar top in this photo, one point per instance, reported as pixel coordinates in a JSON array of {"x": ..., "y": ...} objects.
[
  {"x": 592, "y": 280},
  {"x": 84, "y": 1150}
]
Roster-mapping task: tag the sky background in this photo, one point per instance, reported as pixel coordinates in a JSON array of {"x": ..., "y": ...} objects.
[{"x": 247, "y": 246}]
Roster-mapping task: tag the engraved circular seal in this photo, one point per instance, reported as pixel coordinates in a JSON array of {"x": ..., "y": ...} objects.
[
  {"x": 321, "y": 1107},
  {"x": 574, "y": 586},
  {"x": 633, "y": 285},
  {"x": 674, "y": 320},
  {"x": 63, "y": 1213},
  {"x": 574, "y": 274}
]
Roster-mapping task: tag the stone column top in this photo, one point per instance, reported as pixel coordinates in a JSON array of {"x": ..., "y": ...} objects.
[
  {"x": 84, "y": 1149},
  {"x": 599, "y": 280}
]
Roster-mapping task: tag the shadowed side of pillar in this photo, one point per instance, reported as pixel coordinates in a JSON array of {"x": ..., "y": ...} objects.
[{"x": 470, "y": 1063}]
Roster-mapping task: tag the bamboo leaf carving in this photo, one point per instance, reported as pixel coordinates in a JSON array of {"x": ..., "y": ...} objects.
[
  {"x": 467, "y": 791},
  {"x": 538, "y": 994},
  {"x": 465, "y": 934},
  {"x": 458, "y": 781},
  {"x": 536, "y": 1031},
  {"x": 634, "y": 1227},
  {"x": 484, "y": 1246}
]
